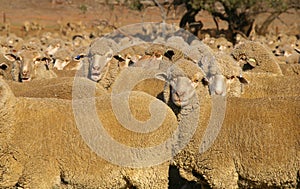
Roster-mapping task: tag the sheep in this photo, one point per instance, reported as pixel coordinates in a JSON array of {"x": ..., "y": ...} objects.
[
  {"x": 101, "y": 51},
  {"x": 53, "y": 46},
  {"x": 222, "y": 44},
  {"x": 257, "y": 58},
  {"x": 13, "y": 41},
  {"x": 206, "y": 60},
  {"x": 178, "y": 86},
  {"x": 79, "y": 41},
  {"x": 71, "y": 162},
  {"x": 177, "y": 47},
  {"x": 32, "y": 65},
  {"x": 253, "y": 150},
  {"x": 290, "y": 69},
  {"x": 62, "y": 58},
  {"x": 152, "y": 58},
  {"x": 294, "y": 58},
  {"x": 9, "y": 69},
  {"x": 262, "y": 86},
  {"x": 109, "y": 72},
  {"x": 60, "y": 88},
  {"x": 231, "y": 73}
]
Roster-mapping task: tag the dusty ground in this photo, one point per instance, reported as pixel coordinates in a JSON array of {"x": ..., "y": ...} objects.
[{"x": 90, "y": 12}]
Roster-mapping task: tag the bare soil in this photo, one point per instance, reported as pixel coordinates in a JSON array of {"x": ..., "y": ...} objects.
[{"x": 51, "y": 13}]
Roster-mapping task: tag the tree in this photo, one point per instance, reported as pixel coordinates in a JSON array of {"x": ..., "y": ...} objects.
[{"x": 240, "y": 14}]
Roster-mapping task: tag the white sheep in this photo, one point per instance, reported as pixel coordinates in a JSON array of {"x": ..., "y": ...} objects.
[
  {"x": 29, "y": 162},
  {"x": 255, "y": 57},
  {"x": 9, "y": 69},
  {"x": 178, "y": 86},
  {"x": 206, "y": 60},
  {"x": 101, "y": 51},
  {"x": 53, "y": 46},
  {"x": 33, "y": 65},
  {"x": 152, "y": 58}
]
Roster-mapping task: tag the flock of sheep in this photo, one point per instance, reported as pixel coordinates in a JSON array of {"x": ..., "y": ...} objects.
[{"x": 258, "y": 141}]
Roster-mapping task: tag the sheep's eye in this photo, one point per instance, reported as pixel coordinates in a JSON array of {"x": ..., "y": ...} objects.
[{"x": 78, "y": 57}]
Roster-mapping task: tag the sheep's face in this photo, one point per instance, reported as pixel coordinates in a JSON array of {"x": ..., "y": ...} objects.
[
  {"x": 217, "y": 85},
  {"x": 27, "y": 61},
  {"x": 97, "y": 63},
  {"x": 182, "y": 90},
  {"x": 60, "y": 63}
]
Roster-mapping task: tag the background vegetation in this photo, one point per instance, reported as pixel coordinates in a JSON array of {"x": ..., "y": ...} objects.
[{"x": 239, "y": 14}]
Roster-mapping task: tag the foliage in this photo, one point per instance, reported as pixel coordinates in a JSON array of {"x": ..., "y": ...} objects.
[
  {"x": 240, "y": 14},
  {"x": 83, "y": 8},
  {"x": 135, "y": 5}
]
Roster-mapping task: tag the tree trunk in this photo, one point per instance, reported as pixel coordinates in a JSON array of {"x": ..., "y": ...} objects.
[{"x": 264, "y": 27}]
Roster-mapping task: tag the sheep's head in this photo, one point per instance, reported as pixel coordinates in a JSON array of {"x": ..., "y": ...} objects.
[
  {"x": 54, "y": 46},
  {"x": 100, "y": 53},
  {"x": 96, "y": 64},
  {"x": 182, "y": 88},
  {"x": 27, "y": 61},
  {"x": 61, "y": 58},
  {"x": 217, "y": 85}
]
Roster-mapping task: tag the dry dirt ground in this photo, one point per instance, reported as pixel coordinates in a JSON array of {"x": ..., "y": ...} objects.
[{"x": 89, "y": 12}]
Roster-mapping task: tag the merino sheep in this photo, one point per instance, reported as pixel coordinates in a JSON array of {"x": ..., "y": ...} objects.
[
  {"x": 53, "y": 46},
  {"x": 223, "y": 44},
  {"x": 231, "y": 73},
  {"x": 152, "y": 58},
  {"x": 60, "y": 88},
  {"x": 262, "y": 86},
  {"x": 293, "y": 58},
  {"x": 9, "y": 69},
  {"x": 257, "y": 149},
  {"x": 64, "y": 61},
  {"x": 70, "y": 162},
  {"x": 182, "y": 88},
  {"x": 257, "y": 58},
  {"x": 32, "y": 65},
  {"x": 101, "y": 51},
  {"x": 207, "y": 61},
  {"x": 290, "y": 69}
]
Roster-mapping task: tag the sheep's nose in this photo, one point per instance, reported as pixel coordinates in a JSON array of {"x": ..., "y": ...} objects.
[
  {"x": 180, "y": 93},
  {"x": 25, "y": 72},
  {"x": 96, "y": 67}
]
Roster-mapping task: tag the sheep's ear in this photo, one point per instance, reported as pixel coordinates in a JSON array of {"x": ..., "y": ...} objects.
[
  {"x": 205, "y": 81},
  {"x": 196, "y": 79},
  {"x": 161, "y": 76},
  {"x": 77, "y": 36},
  {"x": 243, "y": 80},
  {"x": 169, "y": 54},
  {"x": 11, "y": 57},
  {"x": 119, "y": 57}
]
